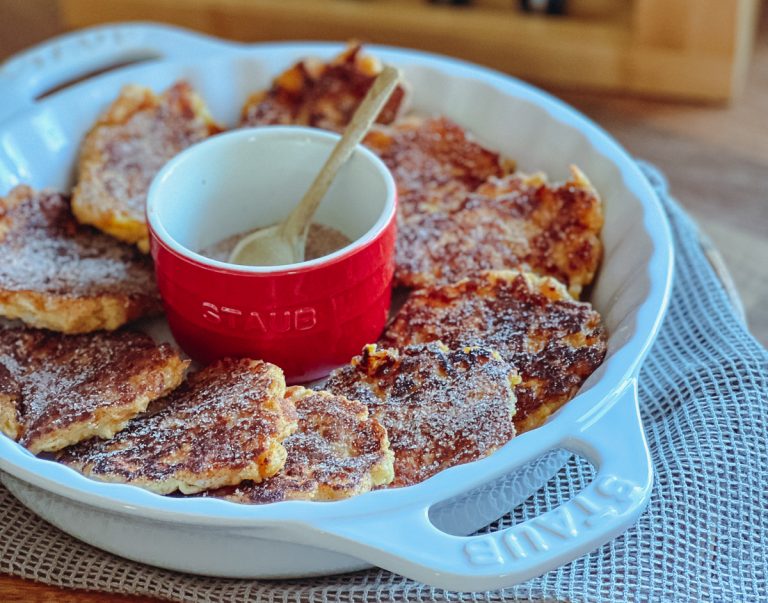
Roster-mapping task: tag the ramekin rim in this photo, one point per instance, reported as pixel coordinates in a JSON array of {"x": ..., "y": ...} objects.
[{"x": 158, "y": 231}]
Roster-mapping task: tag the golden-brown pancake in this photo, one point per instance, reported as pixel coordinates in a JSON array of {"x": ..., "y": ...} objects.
[
  {"x": 510, "y": 222},
  {"x": 337, "y": 452},
  {"x": 57, "y": 390},
  {"x": 225, "y": 424},
  {"x": 10, "y": 396},
  {"x": 554, "y": 341},
  {"x": 321, "y": 95},
  {"x": 124, "y": 150},
  {"x": 434, "y": 161},
  {"x": 440, "y": 407},
  {"x": 60, "y": 275}
]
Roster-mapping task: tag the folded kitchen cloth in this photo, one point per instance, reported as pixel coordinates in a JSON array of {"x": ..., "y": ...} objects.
[{"x": 704, "y": 537}]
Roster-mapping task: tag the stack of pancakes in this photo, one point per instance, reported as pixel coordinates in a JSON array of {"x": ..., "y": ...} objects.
[{"x": 491, "y": 340}]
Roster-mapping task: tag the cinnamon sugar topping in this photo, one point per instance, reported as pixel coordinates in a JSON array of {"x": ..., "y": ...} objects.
[
  {"x": 321, "y": 241},
  {"x": 66, "y": 277},
  {"x": 71, "y": 388},
  {"x": 45, "y": 250},
  {"x": 321, "y": 95},
  {"x": 510, "y": 222},
  {"x": 225, "y": 424},
  {"x": 553, "y": 341},
  {"x": 440, "y": 407},
  {"x": 435, "y": 162},
  {"x": 126, "y": 148},
  {"x": 337, "y": 452}
]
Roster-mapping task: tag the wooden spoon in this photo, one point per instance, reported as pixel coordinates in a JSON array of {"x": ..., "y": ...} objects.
[{"x": 284, "y": 242}]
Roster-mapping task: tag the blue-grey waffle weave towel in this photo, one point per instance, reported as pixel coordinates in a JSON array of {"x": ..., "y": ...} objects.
[{"x": 704, "y": 537}]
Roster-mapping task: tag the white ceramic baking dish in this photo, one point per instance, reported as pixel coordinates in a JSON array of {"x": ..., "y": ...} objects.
[{"x": 419, "y": 531}]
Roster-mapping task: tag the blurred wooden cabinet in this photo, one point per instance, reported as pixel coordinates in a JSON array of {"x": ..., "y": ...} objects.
[{"x": 692, "y": 49}]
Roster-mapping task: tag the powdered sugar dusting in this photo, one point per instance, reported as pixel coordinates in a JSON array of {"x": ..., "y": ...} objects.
[
  {"x": 67, "y": 379},
  {"x": 554, "y": 341},
  {"x": 338, "y": 451},
  {"x": 223, "y": 425},
  {"x": 434, "y": 161},
  {"x": 45, "y": 250},
  {"x": 510, "y": 222},
  {"x": 440, "y": 407},
  {"x": 121, "y": 159}
]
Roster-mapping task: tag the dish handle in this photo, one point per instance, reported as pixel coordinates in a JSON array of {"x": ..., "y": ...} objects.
[
  {"x": 72, "y": 57},
  {"x": 409, "y": 544}
]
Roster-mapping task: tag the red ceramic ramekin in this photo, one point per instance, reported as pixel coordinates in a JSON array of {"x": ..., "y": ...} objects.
[{"x": 307, "y": 318}]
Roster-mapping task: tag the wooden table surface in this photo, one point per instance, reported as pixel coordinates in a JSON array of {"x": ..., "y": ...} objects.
[{"x": 716, "y": 159}]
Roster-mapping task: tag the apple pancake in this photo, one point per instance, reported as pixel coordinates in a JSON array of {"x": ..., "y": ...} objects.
[
  {"x": 434, "y": 161},
  {"x": 321, "y": 95},
  {"x": 554, "y": 341},
  {"x": 511, "y": 222},
  {"x": 57, "y": 390},
  {"x": 338, "y": 451},
  {"x": 440, "y": 407},
  {"x": 60, "y": 275},
  {"x": 124, "y": 150},
  {"x": 224, "y": 424}
]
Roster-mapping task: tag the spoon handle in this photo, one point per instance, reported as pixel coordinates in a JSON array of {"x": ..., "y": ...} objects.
[{"x": 297, "y": 223}]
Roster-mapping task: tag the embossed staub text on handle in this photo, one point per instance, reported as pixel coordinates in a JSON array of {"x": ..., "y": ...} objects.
[
  {"x": 260, "y": 321},
  {"x": 610, "y": 497}
]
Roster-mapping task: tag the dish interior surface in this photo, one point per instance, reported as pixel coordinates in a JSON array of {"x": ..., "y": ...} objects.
[
  {"x": 254, "y": 182},
  {"x": 39, "y": 147}
]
